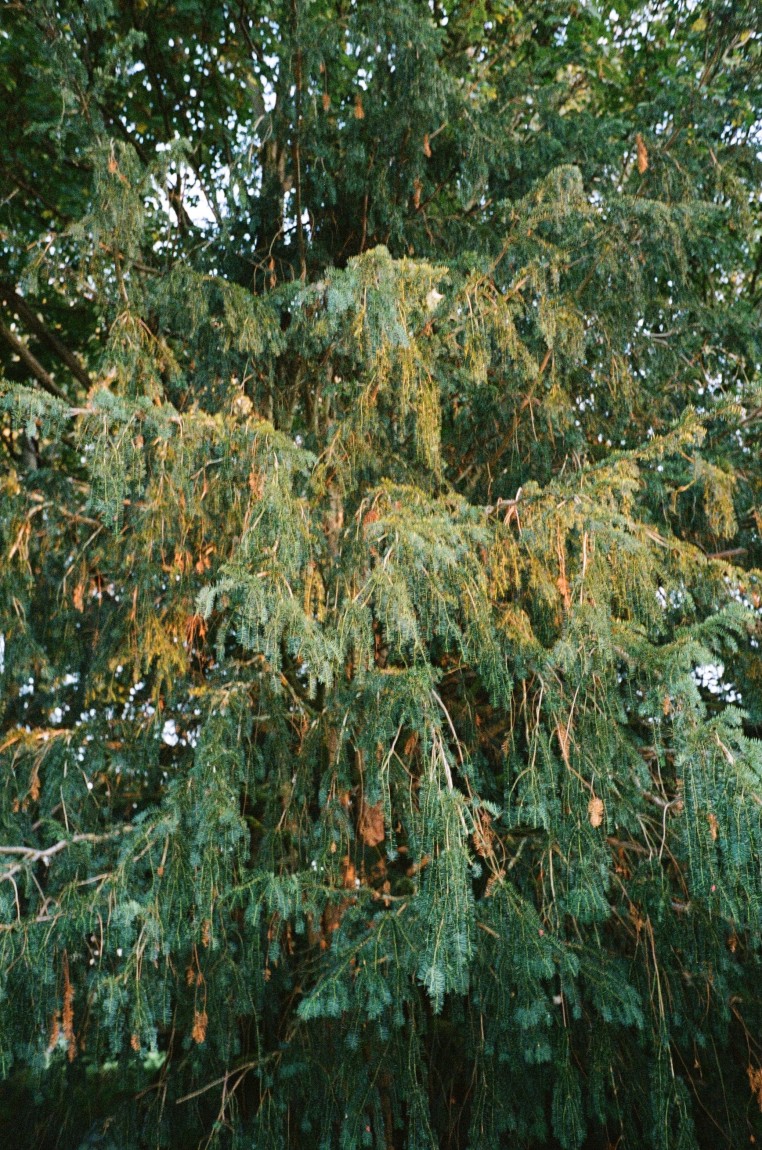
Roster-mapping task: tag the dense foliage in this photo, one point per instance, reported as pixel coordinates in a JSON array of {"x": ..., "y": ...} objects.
[{"x": 380, "y": 603}]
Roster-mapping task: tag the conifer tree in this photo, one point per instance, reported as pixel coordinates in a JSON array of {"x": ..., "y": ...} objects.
[{"x": 380, "y": 574}]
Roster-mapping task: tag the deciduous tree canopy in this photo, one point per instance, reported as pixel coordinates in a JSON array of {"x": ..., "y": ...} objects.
[{"x": 380, "y": 603}]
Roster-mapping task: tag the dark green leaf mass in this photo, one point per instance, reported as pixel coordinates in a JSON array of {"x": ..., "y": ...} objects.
[{"x": 380, "y": 574}]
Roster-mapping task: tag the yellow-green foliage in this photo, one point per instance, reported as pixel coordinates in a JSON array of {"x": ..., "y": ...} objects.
[{"x": 379, "y": 576}]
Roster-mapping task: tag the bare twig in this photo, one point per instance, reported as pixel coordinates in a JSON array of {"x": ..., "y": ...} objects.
[{"x": 31, "y": 855}]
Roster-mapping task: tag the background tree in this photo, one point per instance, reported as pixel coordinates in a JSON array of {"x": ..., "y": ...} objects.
[{"x": 379, "y": 591}]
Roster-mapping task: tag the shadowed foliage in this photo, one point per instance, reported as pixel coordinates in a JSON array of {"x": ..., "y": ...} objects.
[{"x": 380, "y": 574}]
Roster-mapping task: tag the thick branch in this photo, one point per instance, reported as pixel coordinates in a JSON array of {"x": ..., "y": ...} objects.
[
  {"x": 29, "y": 361},
  {"x": 297, "y": 157},
  {"x": 35, "y": 324}
]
